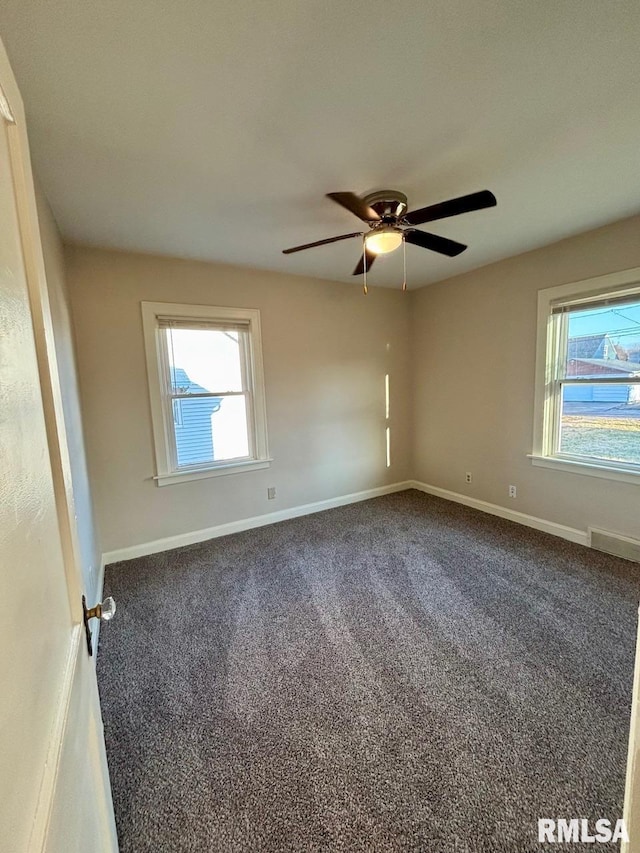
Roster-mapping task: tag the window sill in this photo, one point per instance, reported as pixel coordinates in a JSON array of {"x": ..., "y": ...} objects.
[
  {"x": 591, "y": 469},
  {"x": 217, "y": 471}
]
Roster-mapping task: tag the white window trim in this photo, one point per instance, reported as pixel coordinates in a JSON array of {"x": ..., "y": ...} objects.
[
  {"x": 166, "y": 474},
  {"x": 547, "y": 352}
]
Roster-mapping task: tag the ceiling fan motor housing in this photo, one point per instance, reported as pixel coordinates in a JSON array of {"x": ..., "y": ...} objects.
[{"x": 390, "y": 205}]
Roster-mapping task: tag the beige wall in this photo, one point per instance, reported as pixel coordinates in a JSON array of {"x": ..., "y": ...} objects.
[
  {"x": 90, "y": 551},
  {"x": 326, "y": 351},
  {"x": 474, "y": 341}
]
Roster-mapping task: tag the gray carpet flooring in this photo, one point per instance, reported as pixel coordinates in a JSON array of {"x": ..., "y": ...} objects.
[{"x": 399, "y": 674}]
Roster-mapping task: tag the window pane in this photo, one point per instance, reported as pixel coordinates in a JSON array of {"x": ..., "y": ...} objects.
[
  {"x": 601, "y": 421},
  {"x": 211, "y": 429},
  {"x": 203, "y": 360},
  {"x": 604, "y": 341}
]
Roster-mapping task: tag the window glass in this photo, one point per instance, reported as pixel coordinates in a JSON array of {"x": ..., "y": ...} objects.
[
  {"x": 603, "y": 341},
  {"x": 601, "y": 421},
  {"x": 210, "y": 406},
  {"x": 213, "y": 429},
  {"x": 599, "y": 408},
  {"x": 204, "y": 358}
]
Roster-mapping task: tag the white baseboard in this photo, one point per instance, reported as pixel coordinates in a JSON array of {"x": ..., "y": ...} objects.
[
  {"x": 570, "y": 533},
  {"x": 581, "y": 537},
  {"x": 247, "y": 524}
]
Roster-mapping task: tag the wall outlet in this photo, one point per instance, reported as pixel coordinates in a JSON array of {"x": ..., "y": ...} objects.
[
  {"x": 467, "y": 477},
  {"x": 271, "y": 493},
  {"x": 512, "y": 492}
]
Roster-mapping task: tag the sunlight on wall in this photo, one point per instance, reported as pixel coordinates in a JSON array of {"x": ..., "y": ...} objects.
[
  {"x": 386, "y": 396},
  {"x": 386, "y": 413}
]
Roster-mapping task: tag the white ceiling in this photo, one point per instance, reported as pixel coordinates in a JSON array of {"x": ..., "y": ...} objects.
[{"x": 213, "y": 129}]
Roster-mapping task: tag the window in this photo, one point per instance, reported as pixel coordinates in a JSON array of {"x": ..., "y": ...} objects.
[
  {"x": 206, "y": 390},
  {"x": 588, "y": 377}
]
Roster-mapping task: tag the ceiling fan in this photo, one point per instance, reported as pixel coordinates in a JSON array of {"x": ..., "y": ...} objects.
[{"x": 391, "y": 223}]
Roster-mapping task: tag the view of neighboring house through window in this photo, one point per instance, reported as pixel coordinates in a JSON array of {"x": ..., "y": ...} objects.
[
  {"x": 206, "y": 389},
  {"x": 210, "y": 400},
  {"x": 597, "y": 381}
]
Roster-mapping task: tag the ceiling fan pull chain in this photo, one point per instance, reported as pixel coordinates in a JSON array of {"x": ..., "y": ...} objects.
[
  {"x": 404, "y": 264},
  {"x": 364, "y": 267}
]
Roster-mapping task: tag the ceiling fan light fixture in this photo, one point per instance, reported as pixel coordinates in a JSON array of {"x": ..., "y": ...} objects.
[{"x": 381, "y": 241}]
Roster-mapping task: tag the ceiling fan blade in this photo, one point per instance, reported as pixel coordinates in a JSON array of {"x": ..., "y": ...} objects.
[
  {"x": 321, "y": 242},
  {"x": 463, "y": 204},
  {"x": 360, "y": 268},
  {"x": 434, "y": 242},
  {"x": 354, "y": 204}
]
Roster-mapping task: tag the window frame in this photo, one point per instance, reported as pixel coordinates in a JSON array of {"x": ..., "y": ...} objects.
[
  {"x": 550, "y": 364},
  {"x": 161, "y": 400}
]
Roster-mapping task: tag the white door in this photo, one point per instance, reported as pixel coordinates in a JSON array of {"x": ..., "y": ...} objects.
[
  {"x": 54, "y": 787},
  {"x": 632, "y": 790}
]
